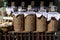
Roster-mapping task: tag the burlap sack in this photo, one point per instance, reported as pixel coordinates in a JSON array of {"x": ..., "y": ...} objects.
[
  {"x": 41, "y": 24},
  {"x": 52, "y": 25},
  {"x": 30, "y": 22},
  {"x": 18, "y": 22}
]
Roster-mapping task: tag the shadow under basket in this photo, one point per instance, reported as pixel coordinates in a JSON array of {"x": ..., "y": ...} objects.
[
  {"x": 30, "y": 22},
  {"x": 41, "y": 24},
  {"x": 52, "y": 25},
  {"x": 18, "y": 22}
]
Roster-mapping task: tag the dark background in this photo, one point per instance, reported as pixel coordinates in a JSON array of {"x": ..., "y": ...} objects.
[{"x": 18, "y": 2}]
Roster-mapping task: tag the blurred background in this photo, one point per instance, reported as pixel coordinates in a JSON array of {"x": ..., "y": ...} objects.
[
  {"x": 17, "y": 2},
  {"x": 27, "y": 2}
]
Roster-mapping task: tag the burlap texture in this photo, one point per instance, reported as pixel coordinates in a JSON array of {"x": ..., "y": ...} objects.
[
  {"x": 41, "y": 24},
  {"x": 18, "y": 23},
  {"x": 30, "y": 22},
  {"x": 52, "y": 25}
]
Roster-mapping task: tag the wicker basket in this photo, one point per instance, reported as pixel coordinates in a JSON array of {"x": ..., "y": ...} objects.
[
  {"x": 30, "y": 22},
  {"x": 18, "y": 23},
  {"x": 41, "y": 24},
  {"x": 52, "y": 25}
]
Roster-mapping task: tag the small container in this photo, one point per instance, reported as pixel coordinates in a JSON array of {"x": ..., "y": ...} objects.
[
  {"x": 18, "y": 22},
  {"x": 30, "y": 22},
  {"x": 52, "y": 25},
  {"x": 41, "y": 24}
]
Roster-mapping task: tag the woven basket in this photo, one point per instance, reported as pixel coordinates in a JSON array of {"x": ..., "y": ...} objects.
[
  {"x": 52, "y": 25},
  {"x": 41, "y": 24},
  {"x": 30, "y": 22},
  {"x": 18, "y": 23}
]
